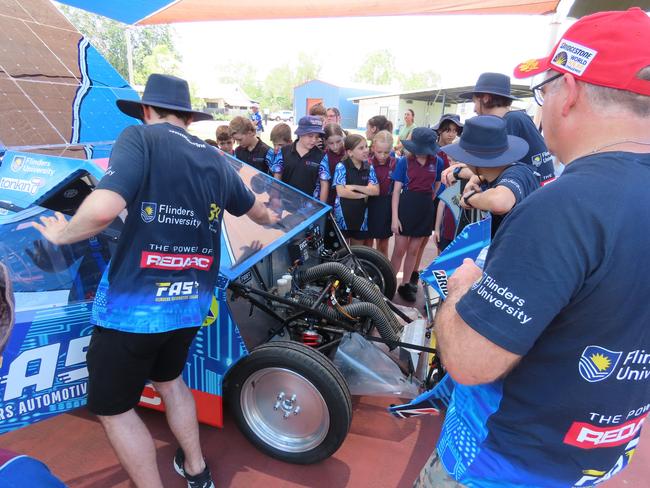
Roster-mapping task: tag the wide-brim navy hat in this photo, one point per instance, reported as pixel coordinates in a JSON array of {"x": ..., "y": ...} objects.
[
  {"x": 310, "y": 124},
  {"x": 452, "y": 118},
  {"x": 423, "y": 141},
  {"x": 485, "y": 143},
  {"x": 492, "y": 83},
  {"x": 163, "y": 91}
]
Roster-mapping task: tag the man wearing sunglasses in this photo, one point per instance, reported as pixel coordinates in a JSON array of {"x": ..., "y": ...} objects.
[{"x": 550, "y": 345}]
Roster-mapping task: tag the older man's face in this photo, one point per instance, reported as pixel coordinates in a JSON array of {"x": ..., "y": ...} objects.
[{"x": 551, "y": 113}]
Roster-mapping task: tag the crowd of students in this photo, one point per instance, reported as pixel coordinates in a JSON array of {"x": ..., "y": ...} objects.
[{"x": 380, "y": 186}]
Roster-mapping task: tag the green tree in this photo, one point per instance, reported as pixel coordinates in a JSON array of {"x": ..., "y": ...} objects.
[
  {"x": 278, "y": 88},
  {"x": 109, "y": 38},
  {"x": 276, "y": 92},
  {"x": 306, "y": 69},
  {"x": 378, "y": 68},
  {"x": 161, "y": 60},
  {"x": 420, "y": 80}
]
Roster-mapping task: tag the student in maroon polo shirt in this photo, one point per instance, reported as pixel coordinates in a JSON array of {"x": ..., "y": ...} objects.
[
  {"x": 448, "y": 128},
  {"x": 417, "y": 178},
  {"x": 379, "y": 207}
]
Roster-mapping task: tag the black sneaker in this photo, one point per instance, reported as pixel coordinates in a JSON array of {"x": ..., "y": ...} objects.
[
  {"x": 407, "y": 292},
  {"x": 415, "y": 279},
  {"x": 202, "y": 480}
]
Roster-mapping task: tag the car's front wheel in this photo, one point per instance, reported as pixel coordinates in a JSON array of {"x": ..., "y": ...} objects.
[{"x": 290, "y": 402}]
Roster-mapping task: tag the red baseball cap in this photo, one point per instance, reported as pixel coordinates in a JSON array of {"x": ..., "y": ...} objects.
[{"x": 607, "y": 49}]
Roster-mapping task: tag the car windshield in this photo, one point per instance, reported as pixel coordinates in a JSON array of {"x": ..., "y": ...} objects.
[{"x": 44, "y": 275}]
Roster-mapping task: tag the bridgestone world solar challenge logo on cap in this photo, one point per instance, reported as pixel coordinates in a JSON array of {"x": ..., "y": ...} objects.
[{"x": 573, "y": 57}]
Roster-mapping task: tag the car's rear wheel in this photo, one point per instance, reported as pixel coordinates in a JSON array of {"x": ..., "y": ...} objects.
[
  {"x": 377, "y": 266},
  {"x": 290, "y": 402}
]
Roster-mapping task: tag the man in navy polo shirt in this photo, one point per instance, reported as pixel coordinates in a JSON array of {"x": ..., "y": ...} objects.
[
  {"x": 491, "y": 96},
  {"x": 550, "y": 344},
  {"x": 175, "y": 189},
  {"x": 297, "y": 164}
]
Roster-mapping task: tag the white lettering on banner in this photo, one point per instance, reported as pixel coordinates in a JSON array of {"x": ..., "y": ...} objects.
[
  {"x": 31, "y": 165},
  {"x": 47, "y": 356},
  {"x": 18, "y": 380},
  {"x": 502, "y": 298},
  {"x": 24, "y": 186}
]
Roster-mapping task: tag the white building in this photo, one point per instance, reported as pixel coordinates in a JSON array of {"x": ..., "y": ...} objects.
[
  {"x": 428, "y": 105},
  {"x": 224, "y": 98}
]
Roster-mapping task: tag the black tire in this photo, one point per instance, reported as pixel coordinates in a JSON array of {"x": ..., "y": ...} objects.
[
  {"x": 273, "y": 373},
  {"x": 378, "y": 268}
]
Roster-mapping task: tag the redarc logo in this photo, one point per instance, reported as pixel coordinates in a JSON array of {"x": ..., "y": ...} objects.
[
  {"x": 587, "y": 436},
  {"x": 156, "y": 260}
]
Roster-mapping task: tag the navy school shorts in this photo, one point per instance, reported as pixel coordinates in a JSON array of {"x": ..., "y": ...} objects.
[{"x": 119, "y": 364}]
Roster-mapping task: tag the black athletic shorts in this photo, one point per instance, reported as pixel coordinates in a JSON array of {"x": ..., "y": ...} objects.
[{"x": 119, "y": 364}]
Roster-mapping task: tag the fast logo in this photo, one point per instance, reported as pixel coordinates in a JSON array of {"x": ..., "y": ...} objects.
[
  {"x": 587, "y": 436},
  {"x": 155, "y": 260},
  {"x": 175, "y": 291},
  {"x": 597, "y": 363},
  {"x": 148, "y": 211},
  {"x": 591, "y": 477}
]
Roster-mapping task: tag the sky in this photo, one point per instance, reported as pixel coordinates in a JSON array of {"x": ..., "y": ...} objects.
[{"x": 458, "y": 47}]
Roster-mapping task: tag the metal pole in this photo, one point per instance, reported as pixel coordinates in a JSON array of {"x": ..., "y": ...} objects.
[{"x": 129, "y": 54}]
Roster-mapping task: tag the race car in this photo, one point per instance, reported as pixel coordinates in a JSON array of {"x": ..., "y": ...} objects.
[{"x": 295, "y": 325}]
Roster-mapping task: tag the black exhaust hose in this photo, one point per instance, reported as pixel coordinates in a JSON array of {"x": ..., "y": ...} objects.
[
  {"x": 359, "y": 309},
  {"x": 365, "y": 289}
]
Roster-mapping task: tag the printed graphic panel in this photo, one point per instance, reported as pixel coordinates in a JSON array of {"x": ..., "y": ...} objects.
[{"x": 56, "y": 88}]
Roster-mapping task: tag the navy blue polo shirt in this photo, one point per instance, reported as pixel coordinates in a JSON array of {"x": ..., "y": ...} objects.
[
  {"x": 176, "y": 188},
  {"x": 301, "y": 172},
  {"x": 256, "y": 157},
  {"x": 519, "y": 123},
  {"x": 566, "y": 286},
  {"x": 521, "y": 180}
]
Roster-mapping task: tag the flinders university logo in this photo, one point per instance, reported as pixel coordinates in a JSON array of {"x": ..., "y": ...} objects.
[
  {"x": 597, "y": 363},
  {"x": 148, "y": 211},
  {"x": 18, "y": 163}
]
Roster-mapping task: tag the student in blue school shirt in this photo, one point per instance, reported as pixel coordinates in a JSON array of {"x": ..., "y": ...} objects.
[{"x": 354, "y": 181}]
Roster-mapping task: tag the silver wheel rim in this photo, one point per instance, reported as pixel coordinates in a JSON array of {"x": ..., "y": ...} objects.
[{"x": 285, "y": 410}]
